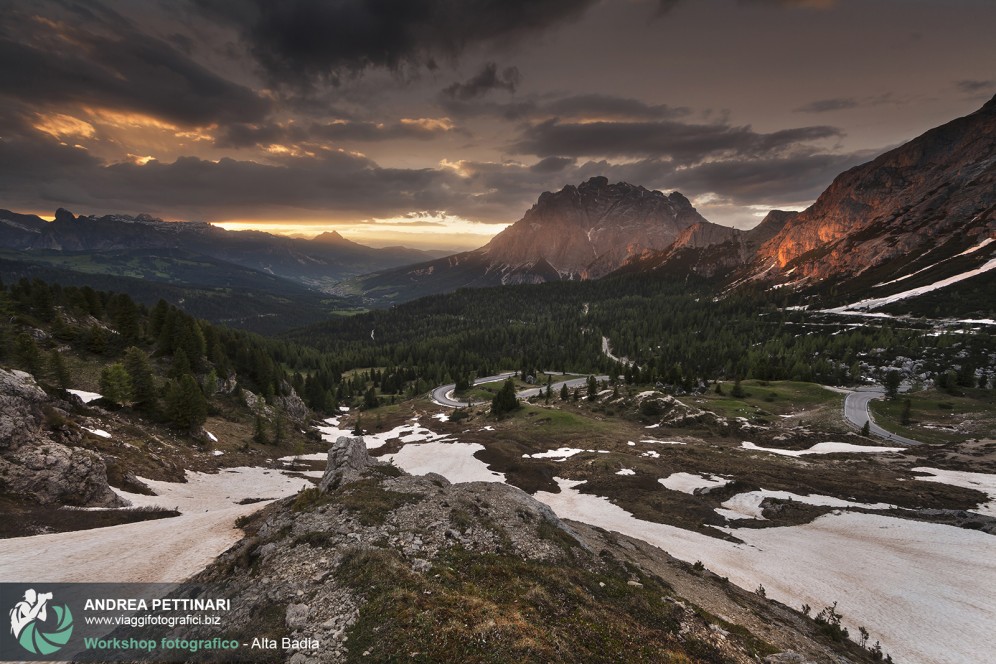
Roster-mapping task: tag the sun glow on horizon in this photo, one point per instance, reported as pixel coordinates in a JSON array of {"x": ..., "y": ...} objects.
[{"x": 419, "y": 230}]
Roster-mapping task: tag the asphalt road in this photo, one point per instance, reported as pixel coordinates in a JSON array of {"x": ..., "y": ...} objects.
[
  {"x": 443, "y": 394},
  {"x": 856, "y": 412}
]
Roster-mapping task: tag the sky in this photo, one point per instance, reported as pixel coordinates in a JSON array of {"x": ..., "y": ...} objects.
[{"x": 436, "y": 123}]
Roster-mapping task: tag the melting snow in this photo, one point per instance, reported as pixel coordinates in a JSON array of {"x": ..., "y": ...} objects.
[
  {"x": 561, "y": 453},
  {"x": 824, "y": 448},
  {"x": 442, "y": 417},
  {"x": 454, "y": 461},
  {"x": 688, "y": 482},
  {"x": 978, "y": 481},
  {"x": 924, "y": 589},
  {"x": 99, "y": 432},
  {"x": 748, "y": 505},
  {"x": 86, "y": 397},
  {"x": 626, "y": 471},
  {"x": 210, "y": 435},
  {"x": 875, "y": 302},
  {"x": 661, "y": 442}
]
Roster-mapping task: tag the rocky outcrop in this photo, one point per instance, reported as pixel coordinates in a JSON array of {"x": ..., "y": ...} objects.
[
  {"x": 293, "y": 406},
  {"x": 347, "y": 459},
  {"x": 33, "y": 465}
]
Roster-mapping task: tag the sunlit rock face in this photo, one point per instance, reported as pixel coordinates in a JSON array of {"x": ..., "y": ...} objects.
[
  {"x": 589, "y": 230},
  {"x": 939, "y": 185}
]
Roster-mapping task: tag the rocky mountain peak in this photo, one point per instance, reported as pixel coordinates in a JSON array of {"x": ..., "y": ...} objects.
[
  {"x": 65, "y": 216},
  {"x": 590, "y": 229},
  {"x": 332, "y": 238}
]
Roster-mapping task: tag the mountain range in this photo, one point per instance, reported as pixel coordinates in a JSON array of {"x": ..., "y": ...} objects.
[
  {"x": 917, "y": 215},
  {"x": 318, "y": 263}
]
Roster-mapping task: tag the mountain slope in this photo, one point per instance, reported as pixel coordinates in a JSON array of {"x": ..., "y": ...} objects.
[{"x": 916, "y": 205}]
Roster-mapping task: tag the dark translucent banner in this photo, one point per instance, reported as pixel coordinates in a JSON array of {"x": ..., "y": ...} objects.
[{"x": 128, "y": 622}]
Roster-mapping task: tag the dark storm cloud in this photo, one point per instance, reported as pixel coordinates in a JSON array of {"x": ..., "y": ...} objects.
[
  {"x": 81, "y": 56},
  {"x": 790, "y": 178},
  {"x": 680, "y": 142},
  {"x": 552, "y": 164},
  {"x": 251, "y": 135},
  {"x": 580, "y": 106},
  {"x": 488, "y": 79},
  {"x": 608, "y": 106},
  {"x": 973, "y": 86},
  {"x": 828, "y": 105},
  {"x": 36, "y": 169},
  {"x": 309, "y": 40}
]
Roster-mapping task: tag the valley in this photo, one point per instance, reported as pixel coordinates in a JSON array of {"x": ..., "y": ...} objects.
[{"x": 615, "y": 428}]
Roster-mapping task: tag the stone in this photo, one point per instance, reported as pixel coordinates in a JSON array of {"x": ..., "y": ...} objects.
[
  {"x": 297, "y": 616},
  {"x": 347, "y": 458}
]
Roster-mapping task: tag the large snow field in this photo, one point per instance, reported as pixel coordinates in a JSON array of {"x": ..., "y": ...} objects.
[
  {"x": 923, "y": 589},
  {"x": 162, "y": 550}
]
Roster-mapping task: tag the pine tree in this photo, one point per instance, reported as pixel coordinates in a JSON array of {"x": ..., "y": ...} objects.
[
  {"x": 866, "y": 428},
  {"x": 181, "y": 364},
  {"x": 905, "y": 417},
  {"x": 186, "y": 406},
  {"x": 58, "y": 368},
  {"x": 115, "y": 384},
  {"x": 892, "y": 381},
  {"x": 143, "y": 384},
  {"x": 592, "y": 389},
  {"x": 259, "y": 431},
  {"x": 278, "y": 428},
  {"x": 738, "y": 390},
  {"x": 564, "y": 392},
  {"x": 28, "y": 353},
  {"x": 505, "y": 400}
]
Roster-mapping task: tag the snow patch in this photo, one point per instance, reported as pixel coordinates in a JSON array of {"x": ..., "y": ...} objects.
[
  {"x": 454, "y": 461},
  {"x": 688, "y": 482},
  {"x": 875, "y": 302},
  {"x": 748, "y": 505},
  {"x": 99, "y": 432},
  {"x": 214, "y": 439},
  {"x": 626, "y": 471},
  {"x": 824, "y": 448},
  {"x": 978, "y": 481},
  {"x": 86, "y": 397}
]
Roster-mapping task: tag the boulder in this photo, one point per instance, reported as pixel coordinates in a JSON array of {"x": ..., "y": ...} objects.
[{"x": 348, "y": 458}]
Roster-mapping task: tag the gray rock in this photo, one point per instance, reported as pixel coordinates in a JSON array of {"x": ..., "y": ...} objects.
[
  {"x": 787, "y": 657},
  {"x": 32, "y": 464},
  {"x": 297, "y": 616},
  {"x": 348, "y": 457}
]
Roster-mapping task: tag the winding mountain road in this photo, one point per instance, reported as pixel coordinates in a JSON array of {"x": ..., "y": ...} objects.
[
  {"x": 443, "y": 395},
  {"x": 856, "y": 412}
]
